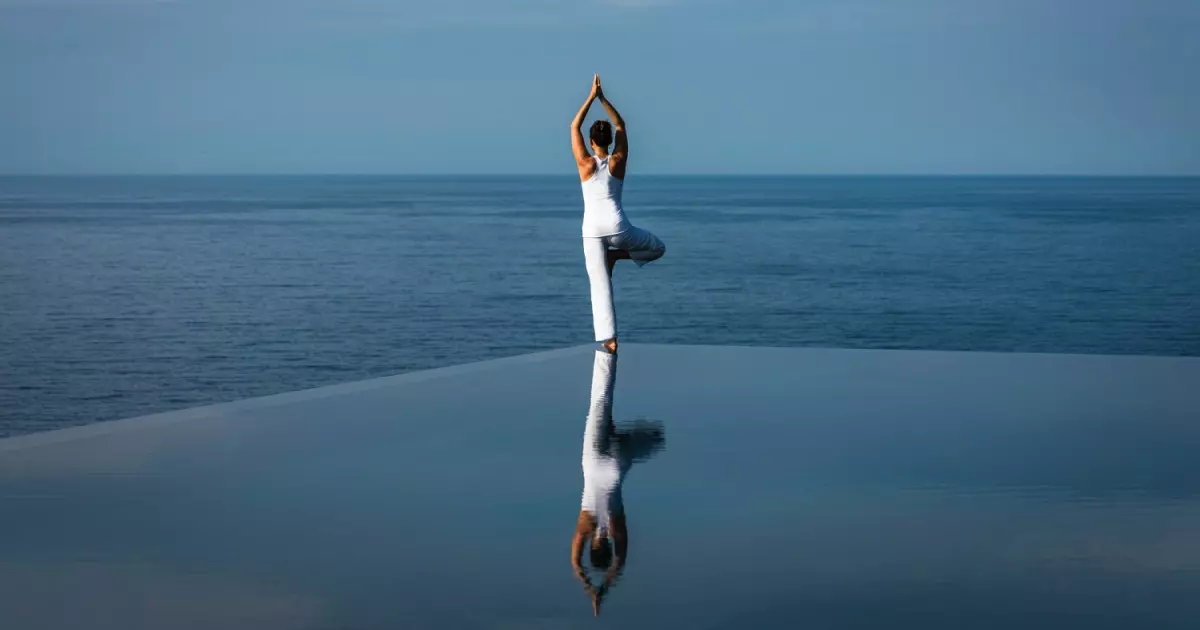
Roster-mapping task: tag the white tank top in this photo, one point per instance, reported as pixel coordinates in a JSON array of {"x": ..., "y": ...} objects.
[{"x": 602, "y": 211}]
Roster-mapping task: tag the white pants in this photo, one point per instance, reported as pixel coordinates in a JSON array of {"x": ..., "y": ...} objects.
[{"x": 642, "y": 246}]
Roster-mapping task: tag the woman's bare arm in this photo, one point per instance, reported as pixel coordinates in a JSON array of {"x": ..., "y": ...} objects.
[
  {"x": 583, "y": 531},
  {"x": 583, "y": 160},
  {"x": 620, "y": 152}
]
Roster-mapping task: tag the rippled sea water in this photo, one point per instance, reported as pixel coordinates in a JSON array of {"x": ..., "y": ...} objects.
[{"x": 125, "y": 296}]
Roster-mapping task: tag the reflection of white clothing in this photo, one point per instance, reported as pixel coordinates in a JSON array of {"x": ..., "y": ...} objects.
[
  {"x": 604, "y": 463},
  {"x": 605, "y": 227}
]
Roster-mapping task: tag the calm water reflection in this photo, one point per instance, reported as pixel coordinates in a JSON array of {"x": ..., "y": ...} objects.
[
  {"x": 802, "y": 488},
  {"x": 609, "y": 452}
]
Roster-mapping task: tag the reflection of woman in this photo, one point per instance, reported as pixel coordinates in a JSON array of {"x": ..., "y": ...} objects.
[{"x": 608, "y": 454}]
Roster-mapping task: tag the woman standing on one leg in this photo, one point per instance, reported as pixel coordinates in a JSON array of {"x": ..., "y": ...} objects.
[{"x": 608, "y": 236}]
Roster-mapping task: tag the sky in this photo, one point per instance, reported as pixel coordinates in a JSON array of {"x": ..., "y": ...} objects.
[{"x": 706, "y": 86}]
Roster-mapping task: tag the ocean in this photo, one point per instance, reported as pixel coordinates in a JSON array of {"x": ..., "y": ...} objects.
[{"x": 122, "y": 296}]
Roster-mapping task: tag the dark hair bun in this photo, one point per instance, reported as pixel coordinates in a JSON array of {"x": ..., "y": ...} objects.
[{"x": 601, "y": 133}]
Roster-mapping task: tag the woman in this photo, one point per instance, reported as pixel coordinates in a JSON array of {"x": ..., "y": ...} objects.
[
  {"x": 608, "y": 236},
  {"x": 608, "y": 454}
]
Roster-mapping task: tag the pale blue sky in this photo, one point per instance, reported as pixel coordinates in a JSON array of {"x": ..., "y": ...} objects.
[{"x": 707, "y": 86}]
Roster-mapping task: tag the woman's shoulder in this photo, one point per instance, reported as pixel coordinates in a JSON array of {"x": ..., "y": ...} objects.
[
  {"x": 616, "y": 166},
  {"x": 587, "y": 170}
]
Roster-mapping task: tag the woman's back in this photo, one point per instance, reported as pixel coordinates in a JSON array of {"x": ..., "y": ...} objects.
[{"x": 603, "y": 214}]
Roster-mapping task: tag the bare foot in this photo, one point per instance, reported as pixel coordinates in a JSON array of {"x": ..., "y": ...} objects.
[{"x": 611, "y": 344}]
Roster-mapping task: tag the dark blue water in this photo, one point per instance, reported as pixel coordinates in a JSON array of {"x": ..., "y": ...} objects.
[{"x": 125, "y": 296}]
